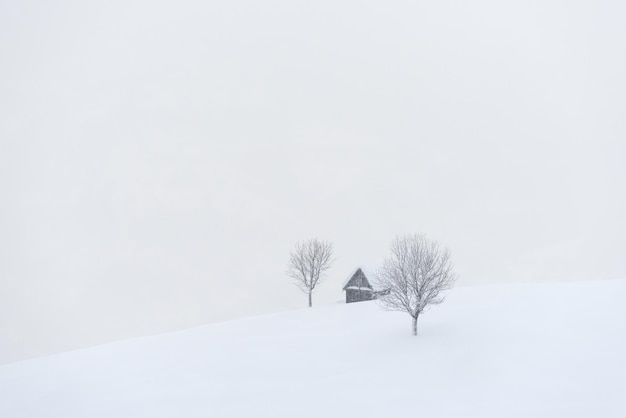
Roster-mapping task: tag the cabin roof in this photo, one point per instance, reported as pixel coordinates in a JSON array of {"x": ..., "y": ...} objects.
[
  {"x": 354, "y": 272},
  {"x": 369, "y": 269}
]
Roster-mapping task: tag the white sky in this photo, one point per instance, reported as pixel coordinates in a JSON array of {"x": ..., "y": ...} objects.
[{"x": 159, "y": 159}]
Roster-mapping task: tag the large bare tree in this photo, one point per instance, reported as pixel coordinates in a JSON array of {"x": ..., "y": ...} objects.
[
  {"x": 414, "y": 276},
  {"x": 308, "y": 263}
]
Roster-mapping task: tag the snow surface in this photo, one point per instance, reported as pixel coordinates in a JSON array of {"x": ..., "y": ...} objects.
[{"x": 533, "y": 350}]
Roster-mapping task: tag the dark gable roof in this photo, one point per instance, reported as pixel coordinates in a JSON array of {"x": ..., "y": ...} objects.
[{"x": 358, "y": 279}]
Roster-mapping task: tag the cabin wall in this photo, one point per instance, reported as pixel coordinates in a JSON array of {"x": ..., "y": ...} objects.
[{"x": 356, "y": 295}]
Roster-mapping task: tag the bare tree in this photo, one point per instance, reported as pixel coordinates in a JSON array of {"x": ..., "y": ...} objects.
[
  {"x": 414, "y": 276},
  {"x": 308, "y": 262}
]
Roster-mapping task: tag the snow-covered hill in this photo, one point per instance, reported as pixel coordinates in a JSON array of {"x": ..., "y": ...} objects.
[{"x": 542, "y": 350}]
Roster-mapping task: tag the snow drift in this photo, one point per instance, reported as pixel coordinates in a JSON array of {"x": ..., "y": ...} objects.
[{"x": 541, "y": 350}]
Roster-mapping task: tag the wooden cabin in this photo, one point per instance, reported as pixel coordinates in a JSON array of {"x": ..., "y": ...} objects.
[{"x": 358, "y": 288}]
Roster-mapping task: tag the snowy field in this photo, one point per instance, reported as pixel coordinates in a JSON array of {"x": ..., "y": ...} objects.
[{"x": 535, "y": 350}]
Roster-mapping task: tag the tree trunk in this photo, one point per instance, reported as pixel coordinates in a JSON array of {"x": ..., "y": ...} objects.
[
  {"x": 310, "y": 300},
  {"x": 415, "y": 324}
]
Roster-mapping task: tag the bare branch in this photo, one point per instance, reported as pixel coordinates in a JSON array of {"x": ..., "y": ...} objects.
[
  {"x": 308, "y": 262},
  {"x": 414, "y": 276}
]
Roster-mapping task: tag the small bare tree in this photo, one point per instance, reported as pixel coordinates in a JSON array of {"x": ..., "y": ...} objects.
[
  {"x": 414, "y": 276},
  {"x": 308, "y": 262}
]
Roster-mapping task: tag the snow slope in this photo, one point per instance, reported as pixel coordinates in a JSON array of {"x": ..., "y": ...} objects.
[{"x": 534, "y": 350}]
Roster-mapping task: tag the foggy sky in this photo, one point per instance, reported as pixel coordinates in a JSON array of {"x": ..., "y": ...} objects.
[{"x": 159, "y": 159}]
